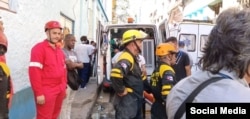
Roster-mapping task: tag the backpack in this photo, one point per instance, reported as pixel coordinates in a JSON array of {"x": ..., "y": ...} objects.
[{"x": 73, "y": 79}]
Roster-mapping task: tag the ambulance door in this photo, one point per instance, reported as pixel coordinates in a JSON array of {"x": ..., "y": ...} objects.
[
  {"x": 100, "y": 58},
  {"x": 204, "y": 31},
  {"x": 188, "y": 33},
  {"x": 163, "y": 31}
]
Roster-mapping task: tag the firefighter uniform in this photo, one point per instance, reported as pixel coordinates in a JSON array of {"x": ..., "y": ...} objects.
[
  {"x": 6, "y": 88},
  {"x": 47, "y": 73},
  {"x": 126, "y": 75},
  {"x": 162, "y": 80}
]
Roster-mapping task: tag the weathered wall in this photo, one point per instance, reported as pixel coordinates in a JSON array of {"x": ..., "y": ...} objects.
[{"x": 24, "y": 29}]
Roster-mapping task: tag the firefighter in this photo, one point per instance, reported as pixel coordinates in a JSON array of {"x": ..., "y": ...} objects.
[
  {"x": 47, "y": 73},
  {"x": 6, "y": 90},
  {"x": 126, "y": 77},
  {"x": 162, "y": 79}
]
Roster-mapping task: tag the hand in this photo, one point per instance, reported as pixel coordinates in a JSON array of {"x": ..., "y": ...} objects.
[
  {"x": 125, "y": 92},
  {"x": 40, "y": 99}
]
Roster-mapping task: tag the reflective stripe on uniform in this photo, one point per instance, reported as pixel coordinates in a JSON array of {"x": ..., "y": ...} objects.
[
  {"x": 166, "y": 87},
  {"x": 36, "y": 64},
  {"x": 116, "y": 70},
  {"x": 5, "y": 68},
  {"x": 144, "y": 77},
  {"x": 130, "y": 90},
  {"x": 165, "y": 92},
  {"x": 116, "y": 73},
  {"x": 8, "y": 94}
]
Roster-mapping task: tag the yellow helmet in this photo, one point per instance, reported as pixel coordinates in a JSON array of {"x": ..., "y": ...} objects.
[
  {"x": 165, "y": 49},
  {"x": 131, "y": 35}
]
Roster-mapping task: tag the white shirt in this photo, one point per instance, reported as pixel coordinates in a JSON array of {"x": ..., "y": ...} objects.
[
  {"x": 83, "y": 51},
  {"x": 141, "y": 60},
  {"x": 70, "y": 55}
]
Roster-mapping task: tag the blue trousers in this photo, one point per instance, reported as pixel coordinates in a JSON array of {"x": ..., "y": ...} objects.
[{"x": 84, "y": 74}]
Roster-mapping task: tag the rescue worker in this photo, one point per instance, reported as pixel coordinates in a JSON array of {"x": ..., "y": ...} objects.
[
  {"x": 126, "y": 77},
  {"x": 6, "y": 90},
  {"x": 162, "y": 79},
  {"x": 47, "y": 73}
]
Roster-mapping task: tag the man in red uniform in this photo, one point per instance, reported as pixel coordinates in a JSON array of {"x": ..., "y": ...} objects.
[{"x": 47, "y": 72}]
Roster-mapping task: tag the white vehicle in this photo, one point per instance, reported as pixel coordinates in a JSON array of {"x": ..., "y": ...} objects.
[
  {"x": 116, "y": 31},
  {"x": 194, "y": 33}
]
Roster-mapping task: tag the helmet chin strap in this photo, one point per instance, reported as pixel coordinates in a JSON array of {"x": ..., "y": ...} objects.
[{"x": 138, "y": 48}]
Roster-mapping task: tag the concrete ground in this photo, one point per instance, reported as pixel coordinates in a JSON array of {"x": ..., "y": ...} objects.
[
  {"x": 86, "y": 103},
  {"x": 84, "y": 100}
]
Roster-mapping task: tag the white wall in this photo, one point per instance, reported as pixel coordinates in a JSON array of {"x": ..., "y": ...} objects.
[{"x": 26, "y": 27}]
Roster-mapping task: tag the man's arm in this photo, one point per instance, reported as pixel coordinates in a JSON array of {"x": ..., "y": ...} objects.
[
  {"x": 168, "y": 81},
  {"x": 35, "y": 70},
  {"x": 188, "y": 70},
  {"x": 187, "y": 64},
  {"x": 35, "y": 73},
  {"x": 72, "y": 65}
]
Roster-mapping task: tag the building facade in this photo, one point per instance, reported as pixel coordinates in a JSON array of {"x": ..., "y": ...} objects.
[
  {"x": 24, "y": 22},
  {"x": 209, "y": 9},
  {"x": 166, "y": 10},
  {"x": 177, "y": 10}
]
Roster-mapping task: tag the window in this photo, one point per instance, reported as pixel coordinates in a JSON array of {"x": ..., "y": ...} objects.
[
  {"x": 148, "y": 53},
  {"x": 189, "y": 40},
  {"x": 9, "y": 5},
  {"x": 203, "y": 41},
  {"x": 67, "y": 24}
]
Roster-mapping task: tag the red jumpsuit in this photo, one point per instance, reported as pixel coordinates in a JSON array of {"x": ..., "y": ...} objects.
[{"x": 47, "y": 73}]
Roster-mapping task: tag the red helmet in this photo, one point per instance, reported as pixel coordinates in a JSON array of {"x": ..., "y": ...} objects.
[{"x": 52, "y": 25}]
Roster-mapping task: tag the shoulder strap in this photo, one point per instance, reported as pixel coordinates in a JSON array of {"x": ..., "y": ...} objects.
[{"x": 191, "y": 97}]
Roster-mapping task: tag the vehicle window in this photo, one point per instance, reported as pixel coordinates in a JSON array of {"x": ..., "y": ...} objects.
[
  {"x": 163, "y": 32},
  {"x": 147, "y": 52},
  {"x": 189, "y": 40},
  {"x": 203, "y": 40}
]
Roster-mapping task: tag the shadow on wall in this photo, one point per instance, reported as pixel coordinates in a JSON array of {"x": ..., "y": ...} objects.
[{"x": 23, "y": 105}]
